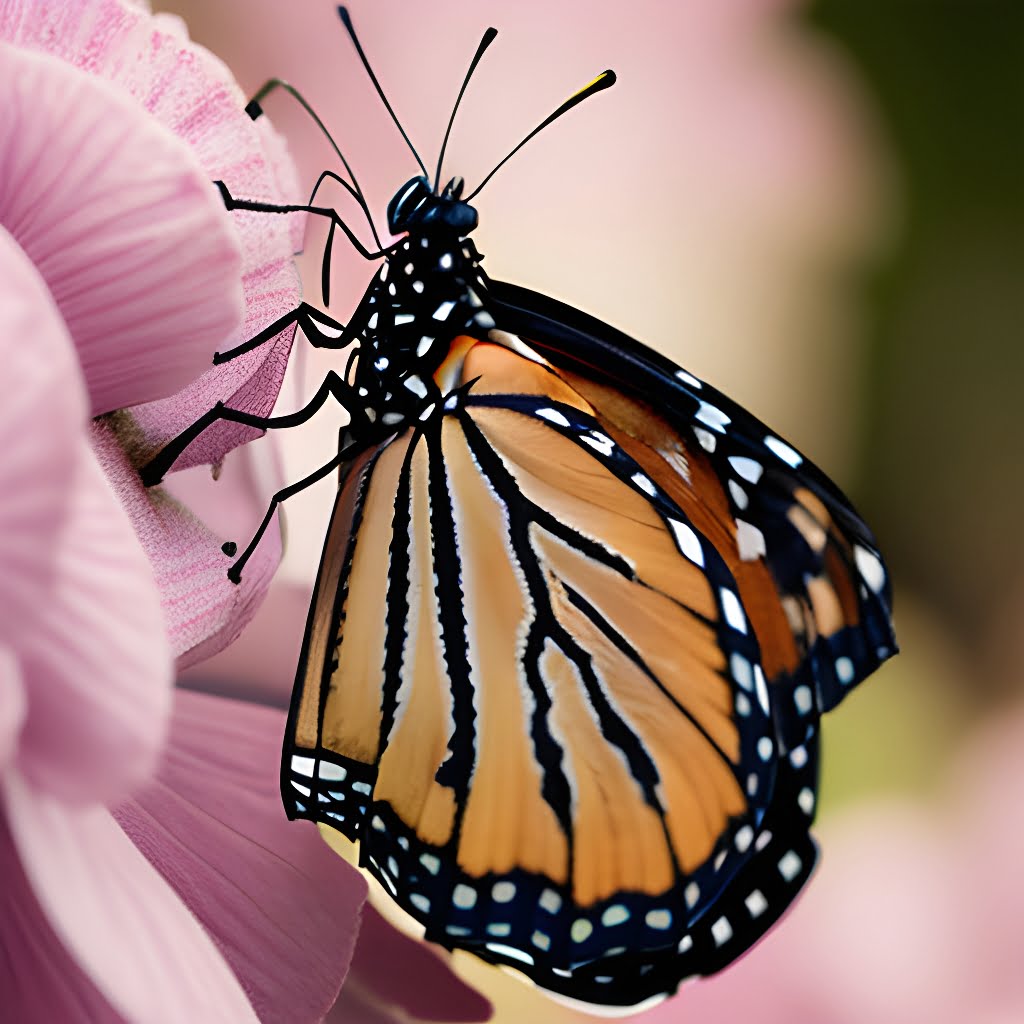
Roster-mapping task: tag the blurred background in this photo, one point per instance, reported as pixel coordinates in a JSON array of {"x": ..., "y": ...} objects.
[{"x": 817, "y": 208}]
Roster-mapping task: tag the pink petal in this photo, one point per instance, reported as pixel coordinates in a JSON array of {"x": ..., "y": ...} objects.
[
  {"x": 424, "y": 987},
  {"x": 203, "y": 610},
  {"x": 39, "y": 978},
  {"x": 261, "y": 665},
  {"x": 136, "y": 250},
  {"x": 123, "y": 924},
  {"x": 12, "y": 705},
  {"x": 41, "y": 372},
  {"x": 282, "y": 908},
  {"x": 95, "y": 657}
]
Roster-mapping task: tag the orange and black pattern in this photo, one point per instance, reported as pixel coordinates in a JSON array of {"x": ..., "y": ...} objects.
[{"x": 566, "y": 659}]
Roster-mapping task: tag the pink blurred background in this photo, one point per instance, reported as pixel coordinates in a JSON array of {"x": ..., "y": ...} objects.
[{"x": 779, "y": 198}]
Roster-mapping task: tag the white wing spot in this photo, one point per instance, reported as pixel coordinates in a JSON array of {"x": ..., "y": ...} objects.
[
  {"x": 416, "y": 386},
  {"x": 660, "y": 919},
  {"x": 721, "y": 930},
  {"x": 553, "y": 416},
  {"x": 712, "y": 417},
  {"x": 778, "y": 447},
  {"x": 756, "y": 903},
  {"x": 805, "y": 799},
  {"x": 691, "y": 894},
  {"x": 738, "y": 495},
  {"x": 509, "y": 951},
  {"x": 464, "y": 897},
  {"x": 688, "y": 541},
  {"x": 444, "y": 310},
  {"x": 870, "y": 568},
  {"x": 581, "y": 930},
  {"x": 749, "y": 541},
  {"x": 302, "y": 765},
  {"x": 503, "y": 892},
  {"x": 802, "y": 699},
  {"x": 598, "y": 442},
  {"x": 705, "y": 438},
  {"x": 762, "y": 688},
  {"x": 741, "y": 670},
  {"x": 404, "y": 318},
  {"x": 644, "y": 484},
  {"x": 732, "y": 610},
  {"x": 744, "y": 837},
  {"x": 798, "y": 757},
  {"x": 790, "y": 865},
  {"x": 550, "y": 901},
  {"x": 749, "y": 469},
  {"x": 844, "y": 670},
  {"x": 615, "y": 914},
  {"x": 420, "y": 902},
  {"x": 765, "y": 747}
]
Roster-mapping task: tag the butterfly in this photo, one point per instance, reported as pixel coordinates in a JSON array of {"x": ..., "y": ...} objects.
[{"x": 577, "y": 618}]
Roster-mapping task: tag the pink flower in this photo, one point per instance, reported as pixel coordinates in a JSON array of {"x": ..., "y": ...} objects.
[
  {"x": 121, "y": 275},
  {"x": 108, "y": 190}
]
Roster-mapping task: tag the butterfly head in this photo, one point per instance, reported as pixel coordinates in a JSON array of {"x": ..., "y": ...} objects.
[{"x": 415, "y": 207}]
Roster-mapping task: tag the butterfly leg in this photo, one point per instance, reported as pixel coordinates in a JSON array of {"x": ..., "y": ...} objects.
[
  {"x": 320, "y": 330},
  {"x": 332, "y": 387},
  {"x": 344, "y": 454}
]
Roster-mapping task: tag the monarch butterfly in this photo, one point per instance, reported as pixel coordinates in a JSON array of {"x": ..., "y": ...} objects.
[{"x": 576, "y": 620}]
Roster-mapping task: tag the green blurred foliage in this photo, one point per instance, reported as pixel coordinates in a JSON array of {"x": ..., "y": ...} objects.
[{"x": 943, "y": 459}]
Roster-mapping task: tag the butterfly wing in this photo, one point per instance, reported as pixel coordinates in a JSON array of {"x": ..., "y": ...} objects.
[{"x": 549, "y": 687}]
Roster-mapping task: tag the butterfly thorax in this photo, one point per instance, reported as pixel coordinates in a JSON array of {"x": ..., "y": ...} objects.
[{"x": 429, "y": 291}]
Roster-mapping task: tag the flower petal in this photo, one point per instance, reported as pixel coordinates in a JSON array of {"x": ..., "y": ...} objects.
[
  {"x": 261, "y": 665},
  {"x": 203, "y": 610},
  {"x": 12, "y": 706},
  {"x": 95, "y": 657},
  {"x": 135, "y": 248},
  {"x": 393, "y": 972},
  {"x": 40, "y": 980},
  {"x": 126, "y": 928},
  {"x": 282, "y": 908},
  {"x": 41, "y": 416}
]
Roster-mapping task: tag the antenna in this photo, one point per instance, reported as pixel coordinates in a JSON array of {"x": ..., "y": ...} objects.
[
  {"x": 254, "y": 109},
  {"x": 489, "y": 37},
  {"x": 347, "y": 22},
  {"x": 605, "y": 80}
]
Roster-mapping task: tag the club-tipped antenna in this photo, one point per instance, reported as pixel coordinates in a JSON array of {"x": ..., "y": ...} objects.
[
  {"x": 489, "y": 37},
  {"x": 347, "y": 22},
  {"x": 254, "y": 109},
  {"x": 605, "y": 80}
]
